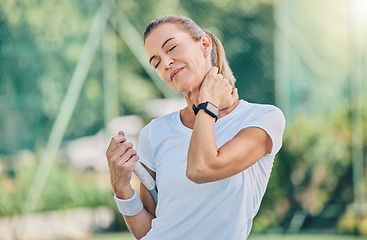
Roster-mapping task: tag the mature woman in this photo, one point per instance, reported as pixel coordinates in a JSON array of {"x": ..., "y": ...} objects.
[{"x": 211, "y": 160}]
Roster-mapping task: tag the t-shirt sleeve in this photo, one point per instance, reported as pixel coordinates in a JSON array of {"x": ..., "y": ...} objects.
[
  {"x": 272, "y": 121},
  {"x": 144, "y": 149}
]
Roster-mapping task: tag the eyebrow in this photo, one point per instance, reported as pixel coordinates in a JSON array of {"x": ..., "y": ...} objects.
[{"x": 164, "y": 44}]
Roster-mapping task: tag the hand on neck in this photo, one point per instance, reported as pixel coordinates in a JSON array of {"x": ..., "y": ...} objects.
[{"x": 222, "y": 111}]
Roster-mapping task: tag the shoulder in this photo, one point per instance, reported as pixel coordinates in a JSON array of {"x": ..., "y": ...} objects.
[
  {"x": 269, "y": 118},
  {"x": 159, "y": 123},
  {"x": 262, "y": 115},
  {"x": 165, "y": 119},
  {"x": 253, "y": 111},
  {"x": 258, "y": 108}
]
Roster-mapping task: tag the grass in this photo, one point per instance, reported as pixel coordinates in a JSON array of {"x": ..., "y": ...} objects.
[
  {"x": 113, "y": 236},
  {"x": 129, "y": 236},
  {"x": 303, "y": 237}
]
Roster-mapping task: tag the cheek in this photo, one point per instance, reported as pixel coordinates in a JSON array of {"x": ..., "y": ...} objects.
[{"x": 198, "y": 65}]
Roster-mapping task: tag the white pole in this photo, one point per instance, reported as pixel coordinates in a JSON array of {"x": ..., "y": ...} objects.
[{"x": 65, "y": 113}]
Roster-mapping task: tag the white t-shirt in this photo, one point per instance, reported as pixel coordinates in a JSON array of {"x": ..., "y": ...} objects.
[{"x": 222, "y": 209}]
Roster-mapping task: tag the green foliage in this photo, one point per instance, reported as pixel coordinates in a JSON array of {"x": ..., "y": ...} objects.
[
  {"x": 65, "y": 188},
  {"x": 41, "y": 43},
  {"x": 312, "y": 170}
]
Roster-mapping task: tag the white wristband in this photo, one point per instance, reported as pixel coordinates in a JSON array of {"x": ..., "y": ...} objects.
[{"x": 131, "y": 206}]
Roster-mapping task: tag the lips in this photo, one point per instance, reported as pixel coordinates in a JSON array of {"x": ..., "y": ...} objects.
[{"x": 175, "y": 72}]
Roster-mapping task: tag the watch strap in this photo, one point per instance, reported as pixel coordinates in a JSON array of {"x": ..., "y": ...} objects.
[{"x": 204, "y": 106}]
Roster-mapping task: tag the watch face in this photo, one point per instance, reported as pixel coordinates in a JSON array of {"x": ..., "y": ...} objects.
[{"x": 211, "y": 107}]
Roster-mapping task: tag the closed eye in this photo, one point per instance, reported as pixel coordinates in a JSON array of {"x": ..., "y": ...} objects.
[
  {"x": 167, "y": 52},
  {"x": 157, "y": 64},
  {"x": 172, "y": 48}
]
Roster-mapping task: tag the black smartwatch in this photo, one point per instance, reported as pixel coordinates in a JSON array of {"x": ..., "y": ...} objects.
[{"x": 208, "y": 107}]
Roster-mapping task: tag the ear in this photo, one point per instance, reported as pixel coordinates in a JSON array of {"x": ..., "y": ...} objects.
[{"x": 206, "y": 43}]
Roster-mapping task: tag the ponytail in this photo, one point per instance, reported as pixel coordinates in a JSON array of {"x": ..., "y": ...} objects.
[{"x": 219, "y": 58}]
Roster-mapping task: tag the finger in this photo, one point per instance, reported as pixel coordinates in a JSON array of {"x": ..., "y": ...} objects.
[
  {"x": 123, "y": 148},
  {"x": 118, "y": 162},
  {"x": 227, "y": 81},
  {"x": 215, "y": 69},
  {"x": 115, "y": 141},
  {"x": 212, "y": 72},
  {"x": 127, "y": 155},
  {"x": 220, "y": 76},
  {"x": 235, "y": 94},
  {"x": 132, "y": 158},
  {"x": 128, "y": 160},
  {"x": 121, "y": 133},
  {"x": 131, "y": 162}
]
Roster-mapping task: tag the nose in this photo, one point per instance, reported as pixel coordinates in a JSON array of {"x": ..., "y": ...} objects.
[{"x": 169, "y": 63}]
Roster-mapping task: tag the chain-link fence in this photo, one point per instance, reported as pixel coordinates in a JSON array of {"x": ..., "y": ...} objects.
[
  {"x": 68, "y": 68},
  {"x": 321, "y": 51},
  {"x": 42, "y": 43}
]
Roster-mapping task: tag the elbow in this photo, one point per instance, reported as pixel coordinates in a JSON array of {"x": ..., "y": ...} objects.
[
  {"x": 197, "y": 175},
  {"x": 194, "y": 178},
  {"x": 202, "y": 169}
]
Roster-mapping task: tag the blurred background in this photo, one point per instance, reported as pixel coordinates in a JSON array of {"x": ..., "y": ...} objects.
[{"x": 74, "y": 73}]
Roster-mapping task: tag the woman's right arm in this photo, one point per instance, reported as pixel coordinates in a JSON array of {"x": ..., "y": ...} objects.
[{"x": 121, "y": 160}]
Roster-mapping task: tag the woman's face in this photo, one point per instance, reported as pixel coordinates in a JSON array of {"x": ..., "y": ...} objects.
[{"x": 179, "y": 60}]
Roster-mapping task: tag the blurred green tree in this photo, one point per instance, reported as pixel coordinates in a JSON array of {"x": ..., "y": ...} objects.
[{"x": 41, "y": 43}]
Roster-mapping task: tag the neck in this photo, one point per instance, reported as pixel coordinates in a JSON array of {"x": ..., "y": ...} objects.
[
  {"x": 223, "y": 112},
  {"x": 193, "y": 98},
  {"x": 188, "y": 117}
]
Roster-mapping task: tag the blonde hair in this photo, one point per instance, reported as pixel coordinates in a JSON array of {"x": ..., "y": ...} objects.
[{"x": 218, "y": 56}]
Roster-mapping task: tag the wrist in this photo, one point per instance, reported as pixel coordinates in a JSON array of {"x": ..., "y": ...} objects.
[
  {"x": 131, "y": 206},
  {"x": 208, "y": 107},
  {"x": 203, "y": 99},
  {"x": 125, "y": 192}
]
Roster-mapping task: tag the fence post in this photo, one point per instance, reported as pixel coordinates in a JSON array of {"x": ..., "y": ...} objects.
[{"x": 65, "y": 113}]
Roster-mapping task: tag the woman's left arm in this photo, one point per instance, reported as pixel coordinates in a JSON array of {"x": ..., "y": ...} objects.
[{"x": 207, "y": 163}]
